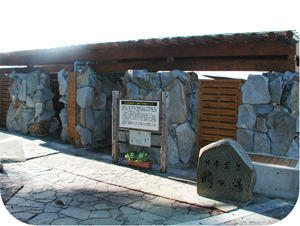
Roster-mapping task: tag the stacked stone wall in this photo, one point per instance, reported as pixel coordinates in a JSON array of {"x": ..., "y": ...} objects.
[
  {"x": 268, "y": 120},
  {"x": 183, "y": 94},
  {"x": 93, "y": 110},
  {"x": 31, "y": 109}
]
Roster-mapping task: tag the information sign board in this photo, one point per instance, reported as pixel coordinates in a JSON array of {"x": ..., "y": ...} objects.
[
  {"x": 139, "y": 114},
  {"x": 140, "y": 138}
]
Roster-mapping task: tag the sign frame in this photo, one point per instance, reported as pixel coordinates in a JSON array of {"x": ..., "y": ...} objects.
[{"x": 133, "y": 106}]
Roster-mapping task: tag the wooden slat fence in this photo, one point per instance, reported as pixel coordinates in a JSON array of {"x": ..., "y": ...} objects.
[
  {"x": 5, "y": 99},
  {"x": 71, "y": 106},
  {"x": 218, "y": 102}
]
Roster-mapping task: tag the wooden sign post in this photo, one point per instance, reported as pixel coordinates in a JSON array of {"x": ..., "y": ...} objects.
[{"x": 140, "y": 118}]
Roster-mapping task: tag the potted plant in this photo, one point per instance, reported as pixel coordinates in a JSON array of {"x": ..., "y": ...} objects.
[{"x": 138, "y": 159}]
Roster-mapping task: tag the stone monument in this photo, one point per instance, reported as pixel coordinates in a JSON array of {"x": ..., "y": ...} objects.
[{"x": 225, "y": 172}]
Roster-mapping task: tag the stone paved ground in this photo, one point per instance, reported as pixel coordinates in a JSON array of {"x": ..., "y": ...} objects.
[{"x": 63, "y": 185}]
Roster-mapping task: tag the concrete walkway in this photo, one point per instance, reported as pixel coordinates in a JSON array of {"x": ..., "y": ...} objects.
[{"x": 59, "y": 184}]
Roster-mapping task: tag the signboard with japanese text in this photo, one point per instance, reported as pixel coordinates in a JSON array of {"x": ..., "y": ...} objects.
[
  {"x": 140, "y": 138},
  {"x": 139, "y": 114}
]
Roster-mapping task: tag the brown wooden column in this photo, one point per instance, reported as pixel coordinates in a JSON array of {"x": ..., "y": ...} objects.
[
  {"x": 71, "y": 106},
  {"x": 5, "y": 99}
]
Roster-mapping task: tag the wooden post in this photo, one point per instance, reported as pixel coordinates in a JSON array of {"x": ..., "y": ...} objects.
[
  {"x": 114, "y": 129},
  {"x": 72, "y": 89},
  {"x": 164, "y": 132}
]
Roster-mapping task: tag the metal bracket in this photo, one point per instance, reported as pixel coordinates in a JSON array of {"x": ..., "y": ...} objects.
[{"x": 76, "y": 67}]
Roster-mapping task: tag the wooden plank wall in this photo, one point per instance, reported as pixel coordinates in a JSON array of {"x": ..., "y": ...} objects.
[
  {"x": 218, "y": 102},
  {"x": 72, "y": 80},
  {"x": 5, "y": 99}
]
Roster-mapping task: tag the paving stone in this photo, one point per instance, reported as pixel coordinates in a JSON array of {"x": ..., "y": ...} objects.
[
  {"x": 171, "y": 222},
  {"x": 162, "y": 211},
  {"x": 119, "y": 200},
  {"x": 75, "y": 203},
  {"x": 15, "y": 201},
  {"x": 87, "y": 206},
  {"x": 23, "y": 216},
  {"x": 102, "y": 221},
  {"x": 141, "y": 205},
  {"x": 43, "y": 218},
  {"x": 184, "y": 217},
  {"x": 106, "y": 206},
  {"x": 128, "y": 210},
  {"x": 153, "y": 218},
  {"x": 115, "y": 213},
  {"x": 99, "y": 214},
  {"x": 65, "y": 221},
  {"x": 32, "y": 204},
  {"x": 76, "y": 212},
  {"x": 85, "y": 198},
  {"x": 18, "y": 209},
  {"x": 51, "y": 209},
  {"x": 162, "y": 201}
]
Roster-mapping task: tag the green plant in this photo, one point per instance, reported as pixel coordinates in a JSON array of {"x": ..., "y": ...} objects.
[
  {"x": 130, "y": 155},
  {"x": 140, "y": 156}
]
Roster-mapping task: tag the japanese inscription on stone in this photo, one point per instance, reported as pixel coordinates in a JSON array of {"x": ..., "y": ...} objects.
[
  {"x": 142, "y": 115},
  {"x": 225, "y": 172}
]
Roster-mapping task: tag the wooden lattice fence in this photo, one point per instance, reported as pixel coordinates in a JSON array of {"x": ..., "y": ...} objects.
[{"x": 218, "y": 102}]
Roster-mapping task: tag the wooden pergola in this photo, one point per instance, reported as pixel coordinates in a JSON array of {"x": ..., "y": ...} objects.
[{"x": 259, "y": 51}]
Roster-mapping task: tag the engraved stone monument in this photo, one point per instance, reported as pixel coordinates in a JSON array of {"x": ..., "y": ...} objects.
[{"x": 225, "y": 172}]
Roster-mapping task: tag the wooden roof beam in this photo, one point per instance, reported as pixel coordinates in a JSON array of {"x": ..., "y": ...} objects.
[
  {"x": 199, "y": 65},
  {"x": 60, "y": 56}
]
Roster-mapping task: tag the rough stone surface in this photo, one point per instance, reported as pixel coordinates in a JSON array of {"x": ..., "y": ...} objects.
[
  {"x": 290, "y": 98},
  {"x": 180, "y": 75},
  {"x": 45, "y": 116},
  {"x": 86, "y": 77},
  {"x": 133, "y": 91},
  {"x": 246, "y": 117},
  {"x": 99, "y": 101},
  {"x": 172, "y": 153},
  {"x": 293, "y": 152},
  {"x": 144, "y": 79},
  {"x": 22, "y": 91},
  {"x": 282, "y": 130},
  {"x": 86, "y": 118},
  {"x": 275, "y": 89},
  {"x": 261, "y": 125},
  {"x": 30, "y": 102},
  {"x": 85, "y": 97},
  {"x": 261, "y": 143},
  {"x": 83, "y": 136},
  {"x": 177, "y": 102},
  {"x": 63, "y": 84},
  {"x": 28, "y": 115},
  {"x": 102, "y": 127},
  {"x": 39, "y": 108},
  {"x": 263, "y": 109},
  {"x": 54, "y": 124},
  {"x": 155, "y": 95},
  {"x": 245, "y": 138},
  {"x": 107, "y": 87},
  {"x": 32, "y": 82},
  {"x": 41, "y": 128},
  {"x": 225, "y": 171},
  {"x": 186, "y": 139},
  {"x": 255, "y": 90},
  {"x": 13, "y": 94}
]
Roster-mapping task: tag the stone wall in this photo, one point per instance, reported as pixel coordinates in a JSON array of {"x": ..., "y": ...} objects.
[
  {"x": 93, "y": 109},
  {"x": 183, "y": 89},
  {"x": 268, "y": 120},
  {"x": 31, "y": 109}
]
